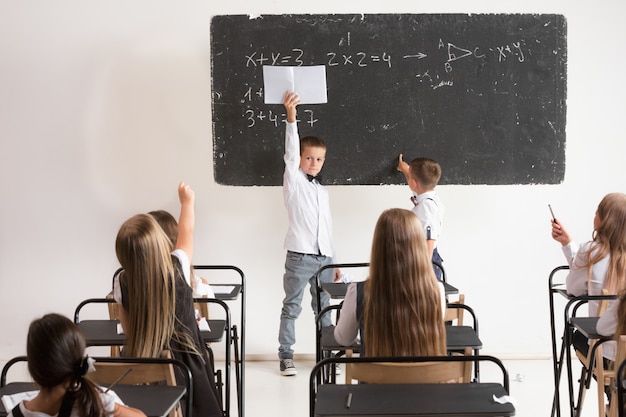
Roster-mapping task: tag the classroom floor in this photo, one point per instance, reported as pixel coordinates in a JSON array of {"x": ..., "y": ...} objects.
[{"x": 270, "y": 394}]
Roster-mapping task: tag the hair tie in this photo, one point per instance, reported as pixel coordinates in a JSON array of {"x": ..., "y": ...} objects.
[{"x": 85, "y": 366}]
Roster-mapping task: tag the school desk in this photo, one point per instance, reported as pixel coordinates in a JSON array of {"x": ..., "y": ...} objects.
[
  {"x": 562, "y": 356},
  {"x": 154, "y": 400},
  {"x": 237, "y": 292},
  {"x": 417, "y": 400},
  {"x": 105, "y": 333}
]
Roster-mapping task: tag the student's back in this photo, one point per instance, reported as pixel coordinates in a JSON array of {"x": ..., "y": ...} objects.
[
  {"x": 157, "y": 311},
  {"x": 402, "y": 302},
  {"x": 58, "y": 363}
]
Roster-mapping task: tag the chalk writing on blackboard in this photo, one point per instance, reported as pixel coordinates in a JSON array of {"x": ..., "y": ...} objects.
[{"x": 482, "y": 94}]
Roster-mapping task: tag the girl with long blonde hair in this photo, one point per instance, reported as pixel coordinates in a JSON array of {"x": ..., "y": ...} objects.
[
  {"x": 399, "y": 308},
  {"x": 599, "y": 263},
  {"x": 157, "y": 312}
]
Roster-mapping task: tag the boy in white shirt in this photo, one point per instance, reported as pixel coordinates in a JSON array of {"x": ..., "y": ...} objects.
[
  {"x": 423, "y": 175},
  {"x": 309, "y": 236}
]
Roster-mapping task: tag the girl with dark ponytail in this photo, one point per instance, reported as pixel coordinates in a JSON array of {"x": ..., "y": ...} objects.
[{"x": 55, "y": 349}]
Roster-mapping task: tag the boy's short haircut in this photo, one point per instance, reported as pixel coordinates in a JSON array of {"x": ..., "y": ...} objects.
[
  {"x": 425, "y": 170},
  {"x": 312, "y": 142}
]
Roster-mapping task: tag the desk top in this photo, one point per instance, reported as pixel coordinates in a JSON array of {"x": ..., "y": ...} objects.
[
  {"x": 422, "y": 400},
  {"x": 586, "y": 326},
  {"x": 337, "y": 290},
  {"x": 104, "y": 332},
  {"x": 457, "y": 339},
  {"x": 218, "y": 289},
  {"x": 560, "y": 289},
  {"x": 460, "y": 337},
  {"x": 154, "y": 400}
]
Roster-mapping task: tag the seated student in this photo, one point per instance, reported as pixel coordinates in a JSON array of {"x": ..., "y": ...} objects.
[
  {"x": 597, "y": 264},
  {"x": 200, "y": 286},
  {"x": 612, "y": 323},
  {"x": 399, "y": 309},
  {"x": 157, "y": 311},
  {"x": 57, "y": 361}
]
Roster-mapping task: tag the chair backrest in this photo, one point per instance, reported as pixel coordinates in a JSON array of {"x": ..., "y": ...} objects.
[
  {"x": 617, "y": 393},
  {"x": 114, "y": 313},
  {"x": 453, "y": 314},
  {"x": 140, "y": 373},
  {"x": 621, "y": 389},
  {"x": 111, "y": 370},
  {"x": 411, "y": 373},
  {"x": 8, "y": 365}
]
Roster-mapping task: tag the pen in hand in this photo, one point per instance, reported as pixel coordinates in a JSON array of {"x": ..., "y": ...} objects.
[
  {"x": 552, "y": 213},
  {"x": 118, "y": 379}
]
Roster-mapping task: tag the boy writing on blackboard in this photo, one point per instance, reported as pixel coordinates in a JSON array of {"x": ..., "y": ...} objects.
[
  {"x": 423, "y": 175},
  {"x": 309, "y": 236}
]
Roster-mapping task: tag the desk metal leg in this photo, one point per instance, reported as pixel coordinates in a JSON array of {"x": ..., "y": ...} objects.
[
  {"x": 238, "y": 367},
  {"x": 556, "y": 362},
  {"x": 568, "y": 364},
  {"x": 476, "y": 367},
  {"x": 242, "y": 346},
  {"x": 558, "y": 369}
]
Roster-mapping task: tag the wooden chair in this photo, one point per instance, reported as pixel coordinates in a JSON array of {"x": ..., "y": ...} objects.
[
  {"x": 114, "y": 314},
  {"x": 610, "y": 377},
  {"x": 621, "y": 389},
  {"x": 593, "y": 365},
  {"x": 143, "y": 371},
  {"x": 411, "y": 372},
  {"x": 455, "y": 314}
]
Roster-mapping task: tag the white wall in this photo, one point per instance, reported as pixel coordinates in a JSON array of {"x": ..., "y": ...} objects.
[{"x": 105, "y": 106}]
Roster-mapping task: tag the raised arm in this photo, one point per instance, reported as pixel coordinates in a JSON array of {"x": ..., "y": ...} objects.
[
  {"x": 290, "y": 101},
  {"x": 186, "y": 221},
  {"x": 403, "y": 167}
]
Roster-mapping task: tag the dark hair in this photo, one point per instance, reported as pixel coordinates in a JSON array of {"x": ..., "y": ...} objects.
[
  {"x": 55, "y": 349},
  {"x": 311, "y": 141}
]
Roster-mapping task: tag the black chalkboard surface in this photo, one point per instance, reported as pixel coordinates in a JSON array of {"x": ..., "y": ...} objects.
[{"x": 483, "y": 94}]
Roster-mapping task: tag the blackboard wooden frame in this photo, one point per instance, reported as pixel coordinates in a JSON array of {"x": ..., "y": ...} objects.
[{"x": 483, "y": 94}]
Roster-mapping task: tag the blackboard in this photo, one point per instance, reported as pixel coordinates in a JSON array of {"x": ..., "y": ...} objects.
[{"x": 483, "y": 94}]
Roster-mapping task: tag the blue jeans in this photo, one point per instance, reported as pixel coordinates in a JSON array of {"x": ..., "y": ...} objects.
[{"x": 300, "y": 269}]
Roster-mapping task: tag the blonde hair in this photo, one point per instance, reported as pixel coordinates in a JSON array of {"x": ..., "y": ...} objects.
[
  {"x": 144, "y": 251},
  {"x": 609, "y": 239},
  {"x": 402, "y": 313}
]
